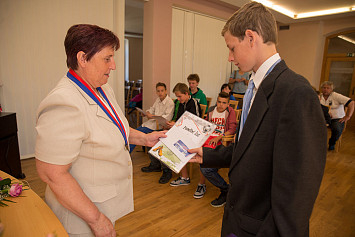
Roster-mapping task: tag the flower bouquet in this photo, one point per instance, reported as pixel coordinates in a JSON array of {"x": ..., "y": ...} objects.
[{"x": 9, "y": 188}]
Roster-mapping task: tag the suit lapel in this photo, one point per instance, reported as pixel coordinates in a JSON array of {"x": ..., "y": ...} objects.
[
  {"x": 91, "y": 102},
  {"x": 256, "y": 114}
]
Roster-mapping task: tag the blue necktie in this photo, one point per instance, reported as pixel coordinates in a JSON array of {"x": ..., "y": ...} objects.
[{"x": 246, "y": 105}]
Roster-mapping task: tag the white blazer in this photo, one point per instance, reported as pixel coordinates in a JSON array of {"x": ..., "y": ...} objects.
[{"x": 72, "y": 128}]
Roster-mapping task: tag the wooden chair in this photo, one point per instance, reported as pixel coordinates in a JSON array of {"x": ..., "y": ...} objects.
[
  {"x": 209, "y": 99},
  {"x": 338, "y": 143},
  {"x": 239, "y": 98},
  {"x": 203, "y": 110},
  {"x": 234, "y": 104},
  {"x": 230, "y": 138}
]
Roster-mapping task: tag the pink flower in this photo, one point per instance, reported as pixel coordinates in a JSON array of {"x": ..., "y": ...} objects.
[
  {"x": 1, "y": 179},
  {"x": 15, "y": 190}
]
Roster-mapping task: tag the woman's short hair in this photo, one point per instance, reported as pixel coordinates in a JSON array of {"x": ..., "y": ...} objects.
[
  {"x": 252, "y": 16},
  {"x": 182, "y": 88},
  {"x": 224, "y": 86},
  {"x": 90, "y": 39},
  {"x": 328, "y": 83}
]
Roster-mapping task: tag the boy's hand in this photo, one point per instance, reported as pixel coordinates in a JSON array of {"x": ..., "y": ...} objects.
[
  {"x": 215, "y": 140},
  {"x": 170, "y": 124}
]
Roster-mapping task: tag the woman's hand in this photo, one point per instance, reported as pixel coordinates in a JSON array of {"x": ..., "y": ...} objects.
[
  {"x": 103, "y": 227},
  {"x": 198, "y": 157},
  {"x": 153, "y": 138}
]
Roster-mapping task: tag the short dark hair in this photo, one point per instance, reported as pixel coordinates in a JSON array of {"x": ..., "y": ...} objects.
[
  {"x": 182, "y": 88},
  {"x": 252, "y": 16},
  {"x": 90, "y": 39},
  {"x": 225, "y": 85},
  {"x": 193, "y": 77},
  {"x": 223, "y": 95},
  {"x": 160, "y": 84}
]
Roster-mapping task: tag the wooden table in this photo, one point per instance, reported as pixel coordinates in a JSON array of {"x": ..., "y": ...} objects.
[{"x": 29, "y": 216}]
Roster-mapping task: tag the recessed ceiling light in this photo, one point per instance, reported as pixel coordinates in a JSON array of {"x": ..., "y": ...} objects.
[{"x": 294, "y": 15}]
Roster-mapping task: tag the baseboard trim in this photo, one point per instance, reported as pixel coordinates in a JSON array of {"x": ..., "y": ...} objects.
[{"x": 24, "y": 157}]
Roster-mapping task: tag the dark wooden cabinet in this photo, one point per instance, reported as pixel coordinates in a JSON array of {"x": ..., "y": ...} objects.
[{"x": 9, "y": 150}]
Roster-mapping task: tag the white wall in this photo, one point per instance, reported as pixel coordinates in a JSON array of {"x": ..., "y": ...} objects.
[
  {"x": 302, "y": 46},
  {"x": 32, "y": 58},
  {"x": 198, "y": 47}
]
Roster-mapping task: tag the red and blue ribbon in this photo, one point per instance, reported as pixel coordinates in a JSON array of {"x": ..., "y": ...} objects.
[{"x": 89, "y": 91}]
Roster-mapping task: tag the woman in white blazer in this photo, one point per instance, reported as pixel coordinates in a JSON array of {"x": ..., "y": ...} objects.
[{"x": 83, "y": 139}]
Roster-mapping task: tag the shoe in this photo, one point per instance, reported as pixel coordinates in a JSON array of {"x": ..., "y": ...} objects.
[
  {"x": 200, "y": 191},
  {"x": 180, "y": 181},
  {"x": 150, "y": 168},
  {"x": 165, "y": 177},
  {"x": 331, "y": 147},
  {"x": 220, "y": 201}
]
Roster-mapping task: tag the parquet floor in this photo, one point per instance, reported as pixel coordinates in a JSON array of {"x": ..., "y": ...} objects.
[{"x": 161, "y": 210}]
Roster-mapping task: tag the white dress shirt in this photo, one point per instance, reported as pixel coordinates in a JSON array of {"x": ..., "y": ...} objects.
[
  {"x": 163, "y": 108},
  {"x": 259, "y": 75}
]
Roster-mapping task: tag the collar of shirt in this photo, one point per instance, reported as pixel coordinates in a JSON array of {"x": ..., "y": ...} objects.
[
  {"x": 165, "y": 100},
  {"x": 259, "y": 75}
]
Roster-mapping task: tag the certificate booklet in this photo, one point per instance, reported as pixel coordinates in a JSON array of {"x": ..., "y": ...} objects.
[{"x": 188, "y": 132}]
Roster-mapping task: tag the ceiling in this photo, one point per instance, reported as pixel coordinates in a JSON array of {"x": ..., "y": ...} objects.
[
  {"x": 134, "y": 10},
  {"x": 302, "y": 6}
]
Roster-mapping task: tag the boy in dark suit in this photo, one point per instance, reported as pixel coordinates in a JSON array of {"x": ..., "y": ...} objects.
[{"x": 277, "y": 162}]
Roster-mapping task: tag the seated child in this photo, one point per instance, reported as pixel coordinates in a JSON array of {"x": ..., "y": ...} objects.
[
  {"x": 186, "y": 103},
  {"x": 196, "y": 92},
  {"x": 227, "y": 89},
  {"x": 224, "y": 117}
]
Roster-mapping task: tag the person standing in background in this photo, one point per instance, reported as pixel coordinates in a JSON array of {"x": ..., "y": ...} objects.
[{"x": 239, "y": 80}]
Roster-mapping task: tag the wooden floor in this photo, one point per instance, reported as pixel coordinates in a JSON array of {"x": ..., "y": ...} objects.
[{"x": 162, "y": 210}]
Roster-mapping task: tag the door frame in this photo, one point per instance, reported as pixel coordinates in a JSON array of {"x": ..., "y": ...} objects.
[{"x": 329, "y": 58}]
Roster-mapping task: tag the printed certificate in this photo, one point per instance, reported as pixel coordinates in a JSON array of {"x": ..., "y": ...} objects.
[{"x": 188, "y": 132}]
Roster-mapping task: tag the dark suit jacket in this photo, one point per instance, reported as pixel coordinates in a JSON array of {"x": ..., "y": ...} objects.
[{"x": 277, "y": 165}]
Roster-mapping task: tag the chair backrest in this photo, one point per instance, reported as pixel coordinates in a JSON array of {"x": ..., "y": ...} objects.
[
  {"x": 135, "y": 91},
  {"x": 209, "y": 99},
  {"x": 203, "y": 109},
  {"x": 127, "y": 93},
  {"x": 238, "y": 112},
  {"x": 234, "y": 104},
  {"x": 238, "y": 96}
]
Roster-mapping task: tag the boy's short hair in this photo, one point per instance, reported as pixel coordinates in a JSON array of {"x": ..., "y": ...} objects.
[
  {"x": 182, "y": 88},
  {"x": 160, "y": 84},
  {"x": 223, "y": 95},
  {"x": 252, "y": 16},
  {"x": 193, "y": 77},
  {"x": 225, "y": 85}
]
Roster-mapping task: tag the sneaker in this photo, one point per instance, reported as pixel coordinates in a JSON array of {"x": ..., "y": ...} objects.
[
  {"x": 180, "y": 181},
  {"x": 150, "y": 168},
  {"x": 165, "y": 177},
  {"x": 220, "y": 201},
  {"x": 200, "y": 191}
]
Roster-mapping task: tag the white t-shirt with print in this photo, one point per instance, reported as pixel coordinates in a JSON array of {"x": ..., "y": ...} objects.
[{"x": 220, "y": 120}]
